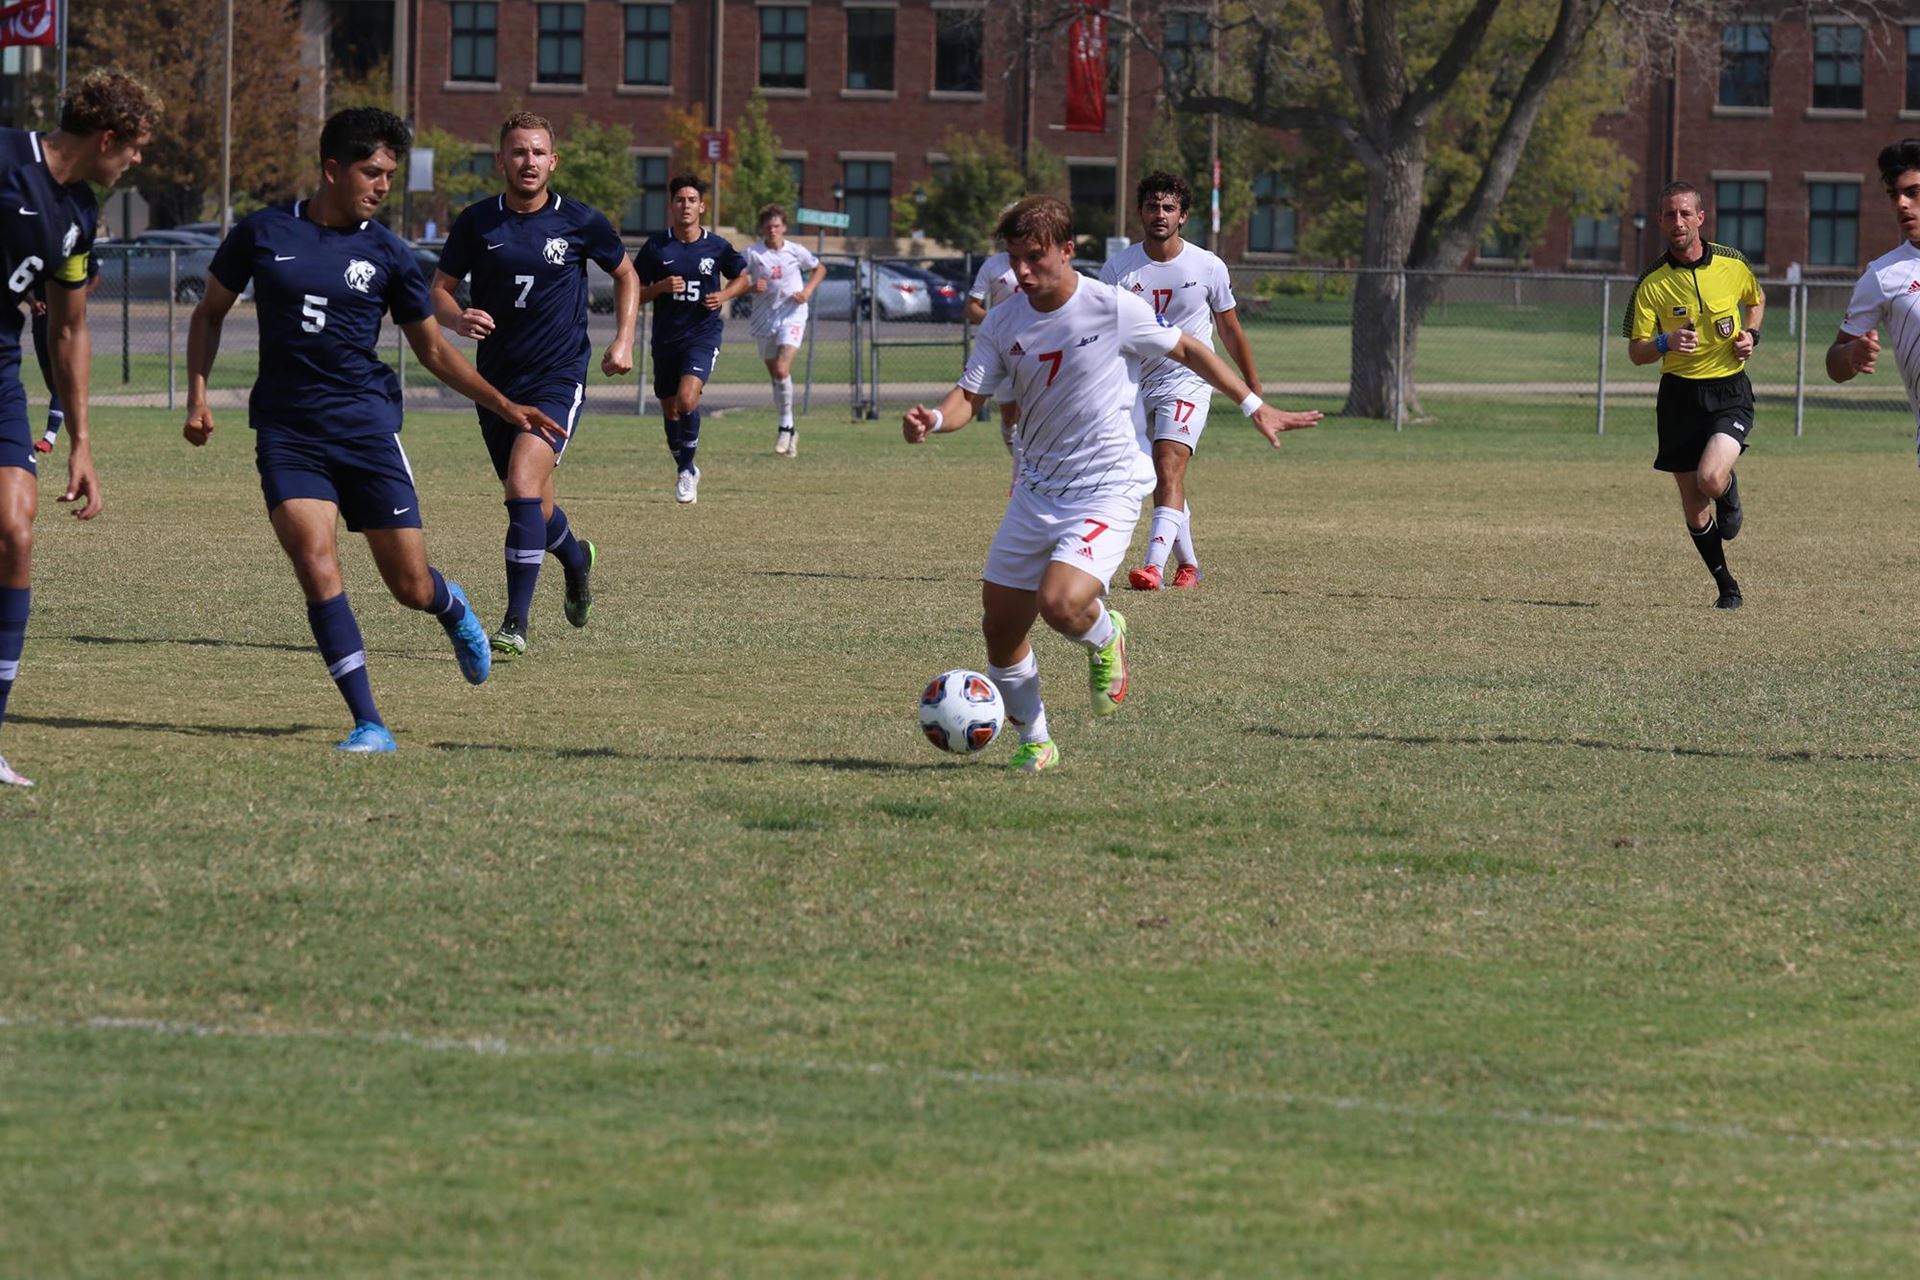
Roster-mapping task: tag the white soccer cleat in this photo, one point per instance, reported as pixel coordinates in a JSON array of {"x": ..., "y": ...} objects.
[
  {"x": 780, "y": 440},
  {"x": 9, "y": 778},
  {"x": 686, "y": 489},
  {"x": 793, "y": 442}
]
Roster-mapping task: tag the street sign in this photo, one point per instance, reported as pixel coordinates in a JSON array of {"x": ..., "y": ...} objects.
[
  {"x": 420, "y": 169},
  {"x": 824, "y": 218},
  {"x": 716, "y": 147}
]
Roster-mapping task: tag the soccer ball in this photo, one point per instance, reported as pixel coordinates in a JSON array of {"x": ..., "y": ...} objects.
[{"x": 961, "y": 712}]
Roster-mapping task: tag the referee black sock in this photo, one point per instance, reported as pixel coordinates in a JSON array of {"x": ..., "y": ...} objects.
[{"x": 1712, "y": 551}]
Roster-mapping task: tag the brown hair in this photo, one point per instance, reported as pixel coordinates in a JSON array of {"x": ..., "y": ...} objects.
[
  {"x": 525, "y": 120},
  {"x": 772, "y": 211},
  {"x": 1041, "y": 218},
  {"x": 108, "y": 101},
  {"x": 1682, "y": 189}
]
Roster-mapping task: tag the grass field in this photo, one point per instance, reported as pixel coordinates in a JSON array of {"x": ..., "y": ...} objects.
[{"x": 1459, "y": 894}]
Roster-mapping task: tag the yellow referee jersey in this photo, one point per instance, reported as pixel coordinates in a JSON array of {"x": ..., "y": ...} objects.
[{"x": 1705, "y": 296}]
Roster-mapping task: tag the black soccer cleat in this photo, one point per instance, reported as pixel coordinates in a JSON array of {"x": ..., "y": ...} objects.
[
  {"x": 580, "y": 590},
  {"x": 1729, "y": 595},
  {"x": 1726, "y": 510}
]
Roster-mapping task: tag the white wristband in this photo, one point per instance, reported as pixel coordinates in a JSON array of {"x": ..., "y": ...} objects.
[
  {"x": 1252, "y": 404},
  {"x": 939, "y": 422}
]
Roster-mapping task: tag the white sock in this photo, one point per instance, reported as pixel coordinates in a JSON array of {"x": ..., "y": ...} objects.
[
  {"x": 783, "y": 402},
  {"x": 1020, "y": 689},
  {"x": 1100, "y": 632},
  {"x": 1183, "y": 541},
  {"x": 1161, "y": 534}
]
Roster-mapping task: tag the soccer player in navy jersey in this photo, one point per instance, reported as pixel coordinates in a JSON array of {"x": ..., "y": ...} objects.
[
  {"x": 48, "y": 216},
  {"x": 43, "y": 353},
  {"x": 680, "y": 269},
  {"x": 526, "y": 250},
  {"x": 326, "y": 412}
]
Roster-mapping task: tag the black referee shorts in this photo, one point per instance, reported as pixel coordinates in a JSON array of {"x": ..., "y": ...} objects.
[{"x": 1693, "y": 410}]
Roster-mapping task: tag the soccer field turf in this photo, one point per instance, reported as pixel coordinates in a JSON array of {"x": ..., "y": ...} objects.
[{"x": 1457, "y": 894}]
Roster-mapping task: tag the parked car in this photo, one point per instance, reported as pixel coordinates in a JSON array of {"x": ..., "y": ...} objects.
[
  {"x": 152, "y": 261},
  {"x": 946, "y": 300},
  {"x": 901, "y": 294}
]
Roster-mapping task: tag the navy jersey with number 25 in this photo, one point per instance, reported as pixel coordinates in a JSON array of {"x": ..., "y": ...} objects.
[
  {"x": 320, "y": 293},
  {"x": 682, "y": 319}
]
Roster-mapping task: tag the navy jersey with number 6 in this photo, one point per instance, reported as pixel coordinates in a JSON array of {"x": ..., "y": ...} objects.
[
  {"x": 320, "y": 293},
  {"x": 529, "y": 273},
  {"x": 683, "y": 319},
  {"x": 46, "y": 232}
]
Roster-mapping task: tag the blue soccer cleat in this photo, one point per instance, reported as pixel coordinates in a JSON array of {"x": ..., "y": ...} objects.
[
  {"x": 470, "y": 647},
  {"x": 368, "y": 738}
]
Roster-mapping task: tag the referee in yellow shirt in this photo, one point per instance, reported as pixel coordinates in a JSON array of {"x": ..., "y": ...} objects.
[{"x": 1686, "y": 313}]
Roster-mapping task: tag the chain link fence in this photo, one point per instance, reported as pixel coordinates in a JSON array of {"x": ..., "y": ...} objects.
[{"x": 888, "y": 332}]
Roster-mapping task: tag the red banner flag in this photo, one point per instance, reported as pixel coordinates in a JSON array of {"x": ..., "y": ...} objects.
[
  {"x": 1087, "y": 70},
  {"x": 30, "y": 22}
]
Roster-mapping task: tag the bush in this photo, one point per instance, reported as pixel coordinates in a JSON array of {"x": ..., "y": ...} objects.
[{"x": 1303, "y": 284}]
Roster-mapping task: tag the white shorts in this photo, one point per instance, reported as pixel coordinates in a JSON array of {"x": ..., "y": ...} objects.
[
  {"x": 1178, "y": 415},
  {"x": 1091, "y": 534},
  {"x": 788, "y": 333}
]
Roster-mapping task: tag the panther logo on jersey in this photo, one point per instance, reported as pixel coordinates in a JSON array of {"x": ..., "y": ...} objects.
[
  {"x": 71, "y": 239},
  {"x": 360, "y": 275},
  {"x": 706, "y": 266},
  {"x": 555, "y": 250}
]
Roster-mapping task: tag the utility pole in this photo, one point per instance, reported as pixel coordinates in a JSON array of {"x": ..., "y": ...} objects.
[
  {"x": 226, "y": 135},
  {"x": 1126, "y": 100},
  {"x": 719, "y": 41},
  {"x": 1213, "y": 125}
]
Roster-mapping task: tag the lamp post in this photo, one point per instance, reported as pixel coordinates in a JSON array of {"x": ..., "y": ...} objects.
[
  {"x": 919, "y": 217},
  {"x": 1639, "y": 226}
]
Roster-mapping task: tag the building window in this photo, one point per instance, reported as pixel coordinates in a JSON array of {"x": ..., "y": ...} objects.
[
  {"x": 869, "y": 185},
  {"x": 1504, "y": 246},
  {"x": 1093, "y": 190},
  {"x": 1740, "y": 217},
  {"x": 1912, "y": 102},
  {"x": 1836, "y": 67},
  {"x": 1596, "y": 239},
  {"x": 1833, "y": 224},
  {"x": 476, "y": 42},
  {"x": 649, "y": 44},
  {"x": 797, "y": 170},
  {"x": 1746, "y": 64},
  {"x": 646, "y": 213},
  {"x": 783, "y": 48},
  {"x": 1188, "y": 40},
  {"x": 562, "y": 42},
  {"x": 870, "y": 49},
  {"x": 1274, "y": 228},
  {"x": 957, "y": 50}
]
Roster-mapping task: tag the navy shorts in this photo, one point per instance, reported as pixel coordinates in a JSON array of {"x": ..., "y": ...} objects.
[
  {"x": 16, "y": 434},
  {"x": 562, "y": 404},
  {"x": 367, "y": 477},
  {"x": 671, "y": 364}
]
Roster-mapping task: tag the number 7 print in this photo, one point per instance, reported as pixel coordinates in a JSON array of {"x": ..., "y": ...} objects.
[{"x": 1051, "y": 359}]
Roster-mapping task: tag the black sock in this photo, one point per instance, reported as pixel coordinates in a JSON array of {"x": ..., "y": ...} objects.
[{"x": 1712, "y": 551}]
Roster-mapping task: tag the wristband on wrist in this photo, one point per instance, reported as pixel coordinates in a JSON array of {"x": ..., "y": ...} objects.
[
  {"x": 1755, "y": 335},
  {"x": 1660, "y": 343},
  {"x": 1252, "y": 404},
  {"x": 939, "y": 422}
]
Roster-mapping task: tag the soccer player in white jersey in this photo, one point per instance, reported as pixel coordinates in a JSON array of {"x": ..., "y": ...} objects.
[
  {"x": 993, "y": 284},
  {"x": 1190, "y": 287},
  {"x": 1071, "y": 347},
  {"x": 784, "y": 276},
  {"x": 1887, "y": 297}
]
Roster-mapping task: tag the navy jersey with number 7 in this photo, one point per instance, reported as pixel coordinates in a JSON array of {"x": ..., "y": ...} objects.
[
  {"x": 683, "y": 319},
  {"x": 320, "y": 293}
]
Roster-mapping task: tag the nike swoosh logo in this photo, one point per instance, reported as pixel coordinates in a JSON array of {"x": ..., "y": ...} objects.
[
  {"x": 29, "y": 213},
  {"x": 400, "y": 511},
  {"x": 501, "y": 245},
  {"x": 285, "y": 257}
]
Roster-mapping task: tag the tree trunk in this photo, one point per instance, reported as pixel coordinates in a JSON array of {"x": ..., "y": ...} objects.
[
  {"x": 1396, "y": 180},
  {"x": 171, "y": 206}
]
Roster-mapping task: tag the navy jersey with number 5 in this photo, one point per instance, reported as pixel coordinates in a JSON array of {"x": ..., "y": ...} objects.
[
  {"x": 320, "y": 293},
  {"x": 46, "y": 232},
  {"x": 529, "y": 273},
  {"x": 683, "y": 319}
]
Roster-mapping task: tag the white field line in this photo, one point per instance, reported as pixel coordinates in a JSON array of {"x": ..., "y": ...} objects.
[{"x": 494, "y": 1046}]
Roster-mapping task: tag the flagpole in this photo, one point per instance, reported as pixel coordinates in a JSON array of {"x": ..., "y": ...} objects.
[
  {"x": 226, "y": 134},
  {"x": 64, "y": 6}
]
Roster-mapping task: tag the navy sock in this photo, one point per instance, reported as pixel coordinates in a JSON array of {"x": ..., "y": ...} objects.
[
  {"x": 338, "y": 636},
  {"x": 673, "y": 439},
  {"x": 526, "y": 550},
  {"x": 560, "y": 541},
  {"x": 689, "y": 439},
  {"x": 55, "y": 416},
  {"x": 445, "y": 606},
  {"x": 13, "y": 637}
]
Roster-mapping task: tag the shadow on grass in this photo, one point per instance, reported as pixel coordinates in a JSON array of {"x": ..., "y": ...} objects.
[
  {"x": 209, "y": 643},
  {"x": 836, "y": 764},
  {"x": 161, "y": 726},
  {"x": 852, "y": 577},
  {"x": 1587, "y": 744},
  {"x": 1382, "y": 595}
]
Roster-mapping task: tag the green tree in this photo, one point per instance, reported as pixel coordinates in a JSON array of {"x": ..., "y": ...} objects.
[
  {"x": 596, "y": 166},
  {"x": 759, "y": 178},
  {"x": 455, "y": 184},
  {"x": 963, "y": 202},
  {"x": 1178, "y": 144}
]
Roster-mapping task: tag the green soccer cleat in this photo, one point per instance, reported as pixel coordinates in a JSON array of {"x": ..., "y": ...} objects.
[
  {"x": 1107, "y": 670},
  {"x": 510, "y": 641},
  {"x": 580, "y": 591},
  {"x": 1032, "y": 757}
]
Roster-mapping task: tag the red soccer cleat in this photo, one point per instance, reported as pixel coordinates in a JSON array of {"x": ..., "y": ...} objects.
[
  {"x": 1145, "y": 578},
  {"x": 43, "y": 446},
  {"x": 1187, "y": 575}
]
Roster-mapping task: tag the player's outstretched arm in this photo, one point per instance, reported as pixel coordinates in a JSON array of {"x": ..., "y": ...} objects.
[
  {"x": 951, "y": 414},
  {"x": 448, "y": 365},
  {"x": 1234, "y": 338},
  {"x": 471, "y": 322},
  {"x": 1266, "y": 419},
  {"x": 203, "y": 344},
  {"x": 72, "y": 365},
  {"x": 618, "y": 359},
  {"x": 1850, "y": 356}
]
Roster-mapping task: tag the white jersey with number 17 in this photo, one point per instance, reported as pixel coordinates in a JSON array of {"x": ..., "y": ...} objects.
[
  {"x": 1073, "y": 371},
  {"x": 1187, "y": 289}
]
